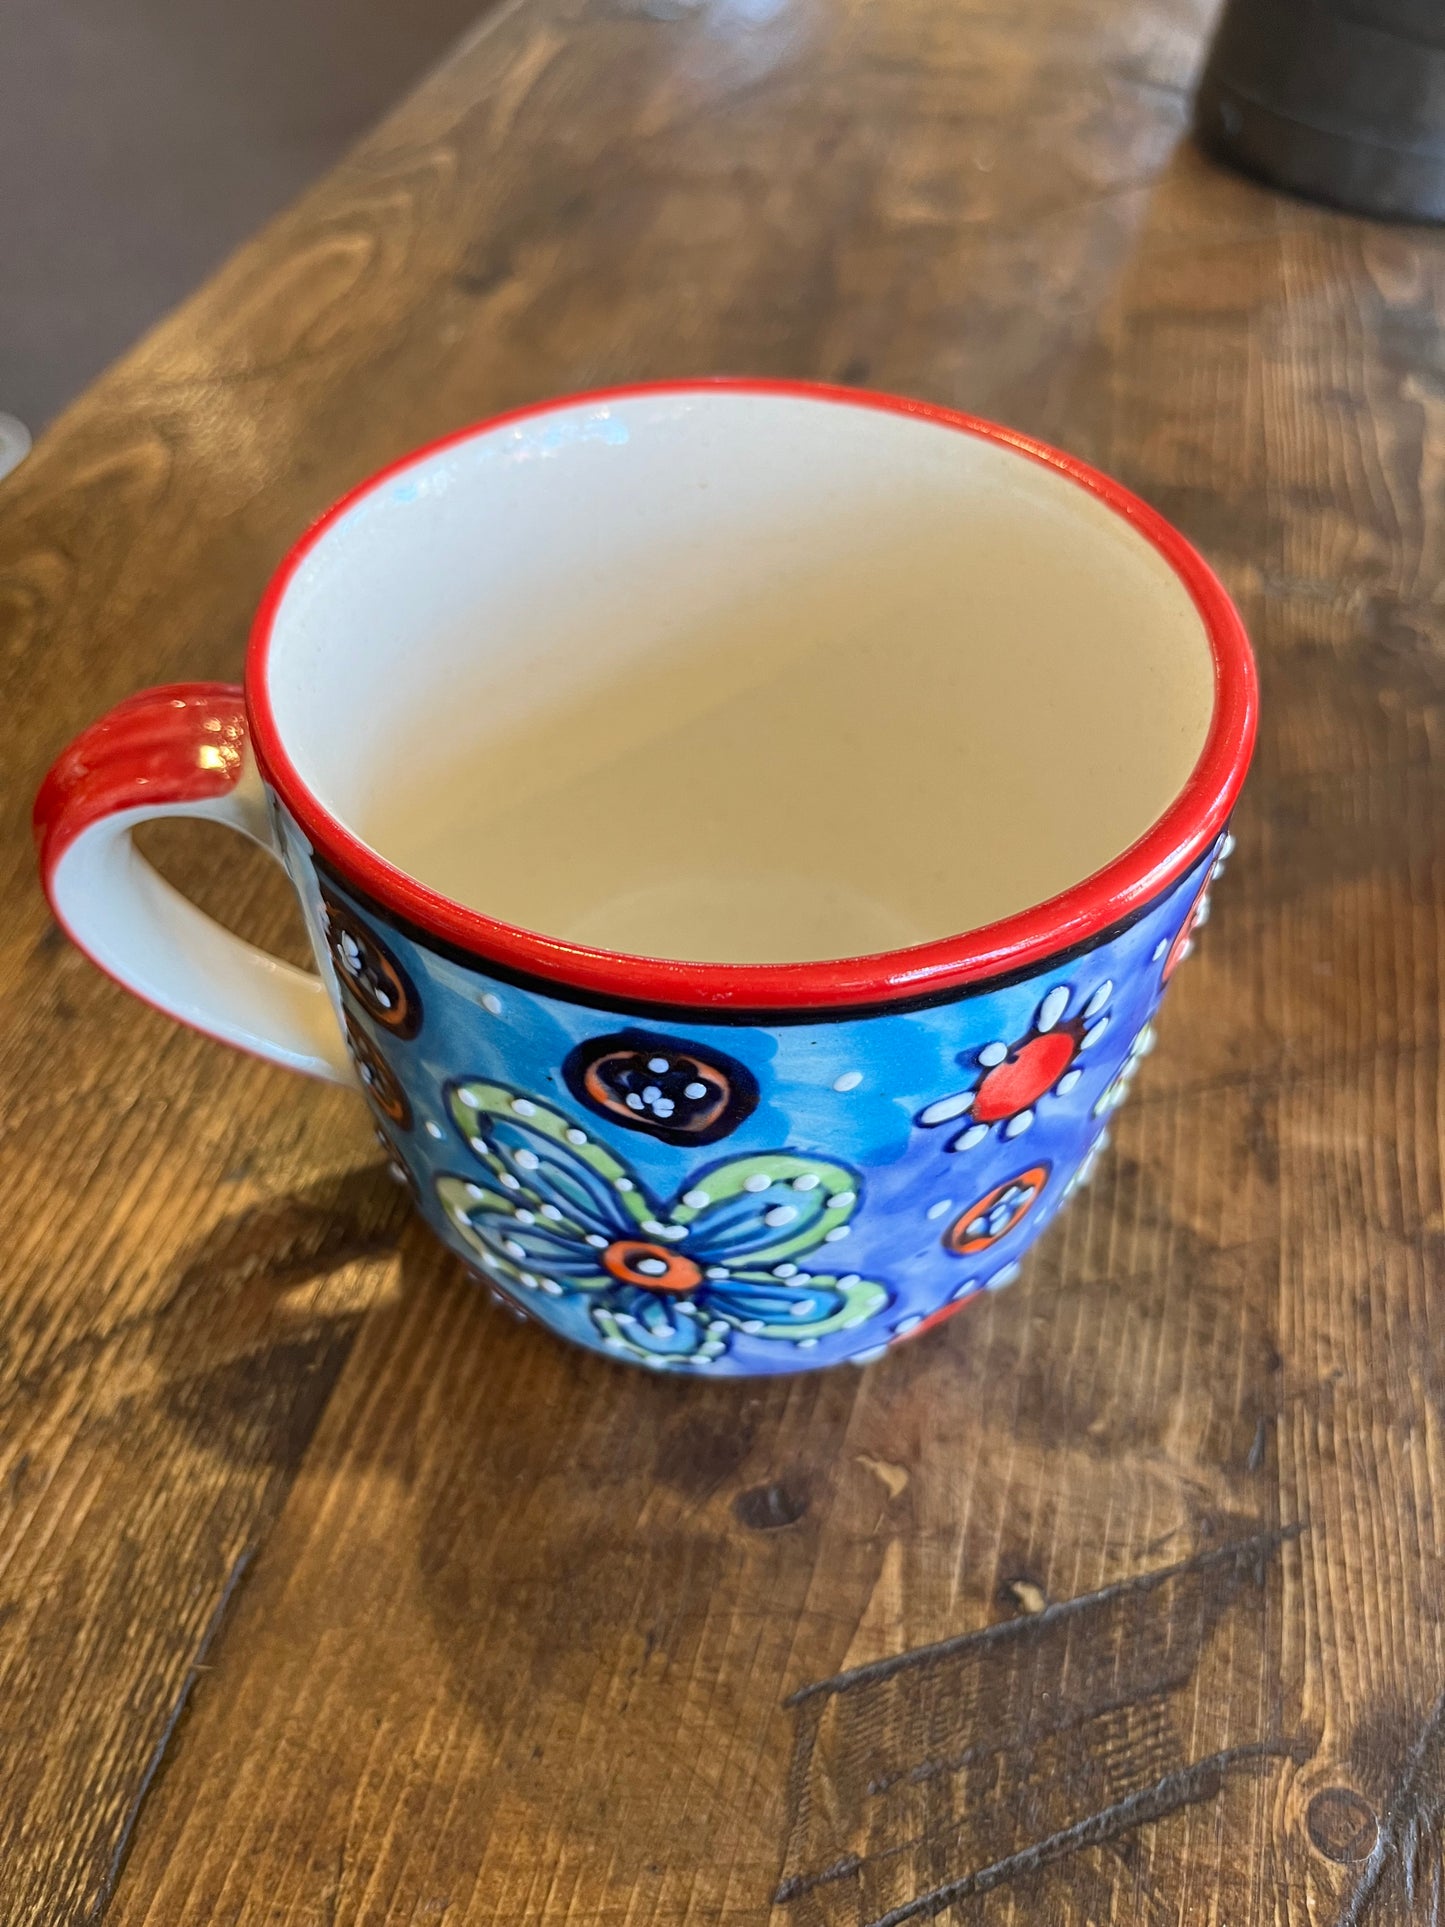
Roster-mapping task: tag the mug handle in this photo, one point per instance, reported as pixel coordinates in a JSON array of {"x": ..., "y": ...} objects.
[{"x": 181, "y": 750}]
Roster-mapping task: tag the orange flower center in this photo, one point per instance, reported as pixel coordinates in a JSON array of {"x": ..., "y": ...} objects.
[{"x": 654, "y": 1267}]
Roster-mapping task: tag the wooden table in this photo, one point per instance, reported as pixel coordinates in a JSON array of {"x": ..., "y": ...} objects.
[{"x": 332, "y": 1596}]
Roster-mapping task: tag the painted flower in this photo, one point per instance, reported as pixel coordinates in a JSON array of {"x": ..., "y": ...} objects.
[
  {"x": 680, "y": 1092},
  {"x": 368, "y": 971},
  {"x": 1013, "y": 1077},
  {"x": 556, "y": 1213},
  {"x": 997, "y": 1213}
]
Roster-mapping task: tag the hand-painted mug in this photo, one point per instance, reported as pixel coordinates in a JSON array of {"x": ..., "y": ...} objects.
[{"x": 638, "y": 759}]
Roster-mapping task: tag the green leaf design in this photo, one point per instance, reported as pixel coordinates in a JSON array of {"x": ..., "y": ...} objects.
[
  {"x": 862, "y": 1297},
  {"x": 550, "y": 1200},
  {"x": 787, "y": 1172},
  {"x": 489, "y": 1115},
  {"x": 698, "y": 1341}
]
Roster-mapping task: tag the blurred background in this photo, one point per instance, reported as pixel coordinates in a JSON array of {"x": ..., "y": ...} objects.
[{"x": 162, "y": 133}]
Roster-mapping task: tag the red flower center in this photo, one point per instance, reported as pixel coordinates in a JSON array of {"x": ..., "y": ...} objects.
[
  {"x": 635, "y": 1261},
  {"x": 1024, "y": 1075}
]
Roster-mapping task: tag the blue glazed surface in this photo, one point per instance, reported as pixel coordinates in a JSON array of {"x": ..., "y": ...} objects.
[{"x": 829, "y": 1186}]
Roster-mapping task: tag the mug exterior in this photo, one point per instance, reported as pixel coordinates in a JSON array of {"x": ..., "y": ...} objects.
[
  {"x": 766, "y": 1193},
  {"x": 731, "y": 1169}
]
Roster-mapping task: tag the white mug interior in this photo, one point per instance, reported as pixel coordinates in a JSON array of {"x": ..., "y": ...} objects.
[{"x": 737, "y": 676}]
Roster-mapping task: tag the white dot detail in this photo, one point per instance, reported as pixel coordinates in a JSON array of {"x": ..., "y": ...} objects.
[
  {"x": 658, "y": 1064},
  {"x": 946, "y": 1108},
  {"x": 785, "y": 1271},
  {"x": 838, "y": 1231},
  {"x": 1068, "y": 1081},
  {"x": 1053, "y": 1007},
  {"x": 513, "y": 1249},
  {"x": 433, "y": 1129},
  {"x": 808, "y": 1181},
  {"x": 1094, "y": 1033},
  {"x": 597, "y": 1243},
  {"x": 849, "y": 1081},
  {"x": 975, "y": 1134},
  {"x": 507, "y": 1181},
  {"x": 492, "y": 1002},
  {"x": 696, "y": 1199},
  {"x": 694, "y": 1090},
  {"x": 1100, "y": 997},
  {"x": 992, "y": 1054},
  {"x": 842, "y": 1200},
  {"x": 759, "y": 1181},
  {"x": 941, "y": 1209},
  {"x": 1016, "y": 1126},
  {"x": 524, "y": 1107},
  {"x": 780, "y": 1214},
  {"x": 574, "y": 1136},
  {"x": 525, "y": 1160}
]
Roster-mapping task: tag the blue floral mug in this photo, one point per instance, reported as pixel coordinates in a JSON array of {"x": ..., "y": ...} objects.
[{"x": 745, "y": 830}]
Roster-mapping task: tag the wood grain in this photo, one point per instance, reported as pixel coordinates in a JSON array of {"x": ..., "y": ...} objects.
[{"x": 329, "y": 1595}]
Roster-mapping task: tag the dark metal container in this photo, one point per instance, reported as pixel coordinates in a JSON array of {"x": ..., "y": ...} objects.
[{"x": 1342, "y": 100}]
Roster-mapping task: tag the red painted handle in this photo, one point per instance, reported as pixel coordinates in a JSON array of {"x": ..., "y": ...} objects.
[
  {"x": 182, "y": 743},
  {"x": 178, "y": 751}
]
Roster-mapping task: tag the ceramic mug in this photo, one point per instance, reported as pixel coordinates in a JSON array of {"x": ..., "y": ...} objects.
[{"x": 549, "y": 716}]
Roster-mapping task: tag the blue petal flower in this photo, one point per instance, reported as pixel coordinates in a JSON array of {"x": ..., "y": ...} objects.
[
  {"x": 558, "y": 1213},
  {"x": 810, "y": 1306}
]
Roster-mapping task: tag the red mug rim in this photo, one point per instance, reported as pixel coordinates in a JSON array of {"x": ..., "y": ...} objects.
[{"x": 1110, "y": 896}]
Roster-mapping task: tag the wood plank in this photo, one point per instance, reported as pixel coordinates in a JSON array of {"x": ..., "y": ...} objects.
[{"x": 328, "y": 1594}]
